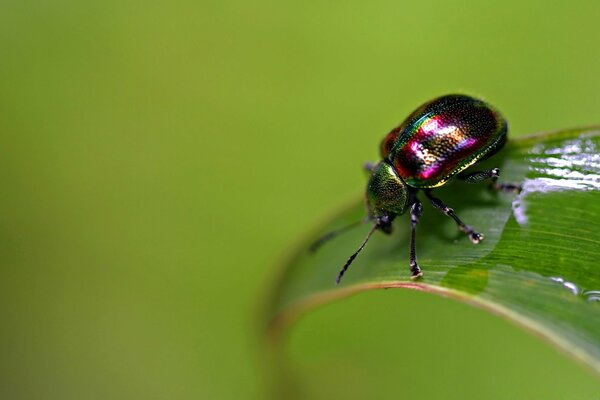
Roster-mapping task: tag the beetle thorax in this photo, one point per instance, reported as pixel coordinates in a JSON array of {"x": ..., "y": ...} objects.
[{"x": 387, "y": 194}]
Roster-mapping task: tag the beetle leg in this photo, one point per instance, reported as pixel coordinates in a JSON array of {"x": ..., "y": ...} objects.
[
  {"x": 480, "y": 176},
  {"x": 506, "y": 187},
  {"x": 369, "y": 166},
  {"x": 493, "y": 174},
  {"x": 415, "y": 214},
  {"x": 475, "y": 236}
]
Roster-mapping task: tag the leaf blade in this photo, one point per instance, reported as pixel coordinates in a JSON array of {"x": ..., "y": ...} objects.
[{"x": 536, "y": 266}]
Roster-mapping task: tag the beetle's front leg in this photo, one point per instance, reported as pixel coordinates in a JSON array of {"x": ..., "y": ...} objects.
[
  {"x": 475, "y": 236},
  {"x": 415, "y": 213},
  {"x": 369, "y": 167}
]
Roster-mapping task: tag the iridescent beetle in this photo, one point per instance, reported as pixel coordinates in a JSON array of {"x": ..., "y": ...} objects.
[{"x": 437, "y": 142}]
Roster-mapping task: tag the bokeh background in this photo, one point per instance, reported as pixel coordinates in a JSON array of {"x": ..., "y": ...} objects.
[{"x": 159, "y": 159}]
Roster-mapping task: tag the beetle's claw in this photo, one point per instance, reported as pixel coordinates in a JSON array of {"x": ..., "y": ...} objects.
[
  {"x": 518, "y": 188},
  {"x": 416, "y": 276},
  {"x": 416, "y": 272},
  {"x": 476, "y": 237}
]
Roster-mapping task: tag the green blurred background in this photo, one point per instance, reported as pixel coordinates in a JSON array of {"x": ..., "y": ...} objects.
[{"x": 159, "y": 159}]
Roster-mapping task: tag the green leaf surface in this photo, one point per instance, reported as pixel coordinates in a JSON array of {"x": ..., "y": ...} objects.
[{"x": 538, "y": 265}]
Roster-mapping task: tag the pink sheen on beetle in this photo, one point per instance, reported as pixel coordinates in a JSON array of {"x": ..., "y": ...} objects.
[{"x": 432, "y": 148}]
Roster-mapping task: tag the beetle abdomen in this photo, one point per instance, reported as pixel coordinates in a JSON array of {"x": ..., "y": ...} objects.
[{"x": 442, "y": 138}]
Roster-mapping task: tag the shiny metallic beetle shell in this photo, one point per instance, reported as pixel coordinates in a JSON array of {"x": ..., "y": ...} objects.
[{"x": 442, "y": 138}]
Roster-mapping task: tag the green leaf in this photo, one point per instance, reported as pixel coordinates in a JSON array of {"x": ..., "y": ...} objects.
[{"x": 538, "y": 265}]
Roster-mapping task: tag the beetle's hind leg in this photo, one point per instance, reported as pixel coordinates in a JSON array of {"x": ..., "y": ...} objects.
[
  {"x": 506, "y": 186},
  {"x": 480, "y": 176},
  {"x": 475, "y": 236},
  {"x": 492, "y": 174}
]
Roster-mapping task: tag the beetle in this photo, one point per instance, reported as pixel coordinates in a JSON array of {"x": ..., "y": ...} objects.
[{"x": 437, "y": 142}]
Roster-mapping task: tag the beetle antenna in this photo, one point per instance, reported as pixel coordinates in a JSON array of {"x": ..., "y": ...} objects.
[
  {"x": 353, "y": 256},
  {"x": 330, "y": 235}
]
